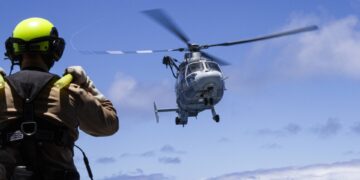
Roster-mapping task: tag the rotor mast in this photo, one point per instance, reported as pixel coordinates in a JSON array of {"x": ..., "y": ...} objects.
[{"x": 192, "y": 56}]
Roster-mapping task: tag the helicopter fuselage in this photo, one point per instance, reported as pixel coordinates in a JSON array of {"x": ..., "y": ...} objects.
[
  {"x": 200, "y": 89},
  {"x": 199, "y": 86}
]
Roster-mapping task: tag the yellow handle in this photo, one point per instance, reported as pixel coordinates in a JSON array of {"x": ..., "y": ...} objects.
[
  {"x": 64, "y": 81},
  {"x": 2, "y": 82}
]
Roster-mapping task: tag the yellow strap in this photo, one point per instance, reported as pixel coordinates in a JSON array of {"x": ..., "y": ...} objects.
[
  {"x": 2, "y": 82},
  {"x": 61, "y": 83},
  {"x": 64, "y": 81}
]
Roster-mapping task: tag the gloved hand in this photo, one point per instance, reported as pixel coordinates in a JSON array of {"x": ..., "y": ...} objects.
[
  {"x": 81, "y": 79},
  {"x": 79, "y": 75},
  {"x": 2, "y": 71}
]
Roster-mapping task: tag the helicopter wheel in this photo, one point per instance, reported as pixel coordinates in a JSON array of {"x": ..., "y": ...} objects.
[
  {"x": 216, "y": 118},
  {"x": 178, "y": 121}
]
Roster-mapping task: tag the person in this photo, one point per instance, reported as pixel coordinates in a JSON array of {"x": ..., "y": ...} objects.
[{"x": 39, "y": 122}]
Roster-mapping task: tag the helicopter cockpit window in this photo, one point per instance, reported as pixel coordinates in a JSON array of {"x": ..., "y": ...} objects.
[
  {"x": 193, "y": 67},
  {"x": 212, "y": 66}
]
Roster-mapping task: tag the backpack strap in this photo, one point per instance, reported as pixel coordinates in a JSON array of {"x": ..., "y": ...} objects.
[{"x": 28, "y": 84}]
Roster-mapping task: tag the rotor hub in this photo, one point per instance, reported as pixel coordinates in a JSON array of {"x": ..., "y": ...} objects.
[{"x": 194, "y": 48}]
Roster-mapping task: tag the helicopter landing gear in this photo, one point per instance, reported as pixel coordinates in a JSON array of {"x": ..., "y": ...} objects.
[
  {"x": 179, "y": 121},
  {"x": 216, "y": 117}
]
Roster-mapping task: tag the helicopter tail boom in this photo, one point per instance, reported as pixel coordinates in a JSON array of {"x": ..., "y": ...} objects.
[{"x": 156, "y": 110}]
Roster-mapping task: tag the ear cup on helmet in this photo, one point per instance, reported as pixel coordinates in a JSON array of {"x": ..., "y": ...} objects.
[
  {"x": 9, "y": 49},
  {"x": 57, "y": 47}
]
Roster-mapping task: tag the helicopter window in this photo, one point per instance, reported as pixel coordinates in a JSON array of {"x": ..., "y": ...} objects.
[
  {"x": 213, "y": 66},
  {"x": 193, "y": 67}
]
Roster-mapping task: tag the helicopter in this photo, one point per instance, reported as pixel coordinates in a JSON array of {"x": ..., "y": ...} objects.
[{"x": 200, "y": 83}]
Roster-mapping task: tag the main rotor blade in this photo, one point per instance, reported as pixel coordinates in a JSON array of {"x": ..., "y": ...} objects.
[
  {"x": 216, "y": 59},
  {"x": 118, "y": 52},
  {"x": 163, "y": 19},
  {"x": 286, "y": 33}
]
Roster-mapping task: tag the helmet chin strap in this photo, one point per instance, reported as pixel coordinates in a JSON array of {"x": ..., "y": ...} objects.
[
  {"x": 13, "y": 63},
  {"x": 47, "y": 61}
]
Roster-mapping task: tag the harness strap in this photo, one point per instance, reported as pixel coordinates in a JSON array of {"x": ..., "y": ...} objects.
[
  {"x": 28, "y": 125},
  {"x": 57, "y": 135},
  {"x": 29, "y": 130}
]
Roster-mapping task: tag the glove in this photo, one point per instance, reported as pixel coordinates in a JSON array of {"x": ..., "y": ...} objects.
[
  {"x": 2, "y": 71},
  {"x": 79, "y": 75},
  {"x": 84, "y": 81}
]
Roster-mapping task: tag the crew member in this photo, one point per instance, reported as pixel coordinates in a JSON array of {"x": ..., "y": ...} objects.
[{"x": 38, "y": 121}]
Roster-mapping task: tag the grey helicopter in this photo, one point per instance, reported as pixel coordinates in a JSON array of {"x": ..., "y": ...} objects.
[{"x": 200, "y": 83}]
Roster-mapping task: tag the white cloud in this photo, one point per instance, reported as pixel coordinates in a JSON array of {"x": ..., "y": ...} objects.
[
  {"x": 131, "y": 94},
  {"x": 344, "y": 170},
  {"x": 333, "y": 49}
]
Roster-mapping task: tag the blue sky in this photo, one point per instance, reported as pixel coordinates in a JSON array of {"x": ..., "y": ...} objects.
[{"x": 291, "y": 108}]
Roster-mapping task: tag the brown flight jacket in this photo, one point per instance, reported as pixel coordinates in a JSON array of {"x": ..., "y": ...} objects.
[{"x": 72, "y": 106}]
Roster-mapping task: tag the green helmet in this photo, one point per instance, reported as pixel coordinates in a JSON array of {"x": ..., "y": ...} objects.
[
  {"x": 34, "y": 35},
  {"x": 32, "y": 28}
]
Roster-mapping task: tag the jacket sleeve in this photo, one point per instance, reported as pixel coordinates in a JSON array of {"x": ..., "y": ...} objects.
[{"x": 95, "y": 117}]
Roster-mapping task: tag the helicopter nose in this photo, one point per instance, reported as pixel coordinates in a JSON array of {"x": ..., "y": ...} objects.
[{"x": 209, "y": 80}]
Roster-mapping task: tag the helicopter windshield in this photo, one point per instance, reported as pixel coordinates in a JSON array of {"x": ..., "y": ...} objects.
[
  {"x": 193, "y": 67},
  {"x": 212, "y": 66}
]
